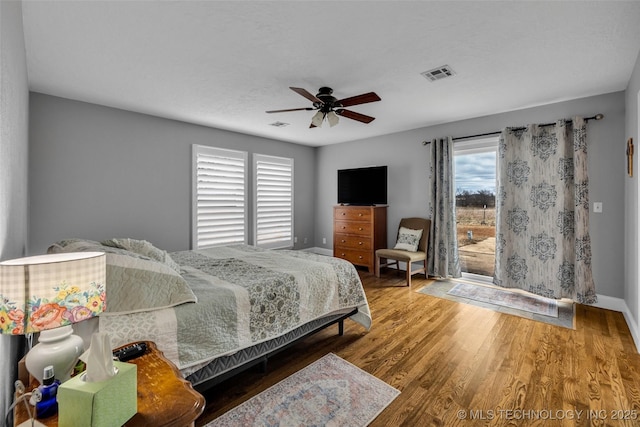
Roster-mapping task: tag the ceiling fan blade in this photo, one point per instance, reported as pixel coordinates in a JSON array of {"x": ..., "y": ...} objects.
[
  {"x": 359, "y": 99},
  {"x": 291, "y": 109},
  {"x": 355, "y": 116},
  {"x": 306, "y": 94}
]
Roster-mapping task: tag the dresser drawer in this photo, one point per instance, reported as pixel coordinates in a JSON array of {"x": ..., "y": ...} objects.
[
  {"x": 359, "y": 228},
  {"x": 352, "y": 214},
  {"x": 352, "y": 242},
  {"x": 358, "y": 231},
  {"x": 354, "y": 256}
]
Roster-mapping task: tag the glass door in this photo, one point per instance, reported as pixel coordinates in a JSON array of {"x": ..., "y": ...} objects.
[{"x": 475, "y": 181}]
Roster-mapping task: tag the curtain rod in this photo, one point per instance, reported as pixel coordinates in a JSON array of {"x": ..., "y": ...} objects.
[{"x": 596, "y": 117}]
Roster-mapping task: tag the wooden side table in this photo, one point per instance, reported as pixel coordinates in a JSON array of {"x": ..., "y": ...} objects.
[{"x": 164, "y": 398}]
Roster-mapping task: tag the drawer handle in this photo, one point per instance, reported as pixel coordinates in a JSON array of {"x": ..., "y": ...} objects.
[
  {"x": 359, "y": 214},
  {"x": 343, "y": 227},
  {"x": 360, "y": 257},
  {"x": 342, "y": 240},
  {"x": 342, "y": 254},
  {"x": 360, "y": 229},
  {"x": 359, "y": 243},
  {"x": 344, "y": 213}
]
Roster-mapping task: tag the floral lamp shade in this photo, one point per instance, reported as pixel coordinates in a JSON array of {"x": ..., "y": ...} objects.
[{"x": 50, "y": 291}]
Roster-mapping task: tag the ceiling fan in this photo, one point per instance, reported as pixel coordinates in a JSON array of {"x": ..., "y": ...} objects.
[{"x": 330, "y": 108}]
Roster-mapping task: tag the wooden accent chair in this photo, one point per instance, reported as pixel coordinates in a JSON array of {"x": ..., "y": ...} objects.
[{"x": 397, "y": 255}]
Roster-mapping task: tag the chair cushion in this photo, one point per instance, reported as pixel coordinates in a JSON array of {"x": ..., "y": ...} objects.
[
  {"x": 408, "y": 239},
  {"x": 401, "y": 255}
]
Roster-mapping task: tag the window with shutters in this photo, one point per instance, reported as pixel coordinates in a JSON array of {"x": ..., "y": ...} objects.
[
  {"x": 273, "y": 177},
  {"x": 219, "y": 197}
]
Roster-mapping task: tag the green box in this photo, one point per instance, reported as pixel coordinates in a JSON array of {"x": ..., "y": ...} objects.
[{"x": 107, "y": 403}]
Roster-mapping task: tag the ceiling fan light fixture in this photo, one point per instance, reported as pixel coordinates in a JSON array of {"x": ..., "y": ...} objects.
[
  {"x": 317, "y": 119},
  {"x": 332, "y": 118},
  {"x": 329, "y": 107}
]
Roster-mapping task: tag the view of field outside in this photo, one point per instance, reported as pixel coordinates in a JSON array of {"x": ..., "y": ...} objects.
[
  {"x": 477, "y": 239},
  {"x": 476, "y": 211}
]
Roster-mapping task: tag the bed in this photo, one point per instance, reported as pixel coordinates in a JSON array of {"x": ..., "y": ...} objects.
[{"x": 214, "y": 312}]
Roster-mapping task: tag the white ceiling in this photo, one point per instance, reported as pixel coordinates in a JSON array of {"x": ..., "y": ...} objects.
[{"x": 224, "y": 63}]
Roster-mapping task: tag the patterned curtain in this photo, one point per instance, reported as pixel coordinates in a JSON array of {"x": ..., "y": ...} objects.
[
  {"x": 442, "y": 254},
  {"x": 542, "y": 216}
]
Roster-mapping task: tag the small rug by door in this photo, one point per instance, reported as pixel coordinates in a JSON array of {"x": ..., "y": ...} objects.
[
  {"x": 330, "y": 391},
  {"x": 530, "y": 303},
  {"x": 511, "y": 303}
]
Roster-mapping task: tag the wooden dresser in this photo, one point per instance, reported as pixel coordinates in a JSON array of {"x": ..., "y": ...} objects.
[{"x": 357, "y": 232}]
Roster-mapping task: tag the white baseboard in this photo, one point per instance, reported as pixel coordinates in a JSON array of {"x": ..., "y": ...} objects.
[
  {"x": 611, "y": 303},
  {"x": 618, "y": 304},
  {"x": 320, "y": 251},
  {"x": 631, "y": 323}
]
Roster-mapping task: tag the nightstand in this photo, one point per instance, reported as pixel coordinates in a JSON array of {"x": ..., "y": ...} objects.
[{"x": 164, "y": 398}]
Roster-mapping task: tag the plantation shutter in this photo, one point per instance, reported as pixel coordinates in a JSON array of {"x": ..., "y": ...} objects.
[
  {"x": 219, "y": 197},
  {"x": 274, "y": 201}
]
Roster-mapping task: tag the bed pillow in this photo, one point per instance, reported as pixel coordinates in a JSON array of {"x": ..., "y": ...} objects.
[
  {"x": 61, "y": 245},
  {"x": 142, "y": 247},
  {"x": 134, "y": 282},
  {"x": 83, "y": 245},
  {"x": 408, "y": 239}
]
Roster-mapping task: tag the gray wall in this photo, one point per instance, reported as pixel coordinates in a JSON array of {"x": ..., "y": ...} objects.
[
  {"x": 14, "y": 108},
  {"x": 406, "y": 158},
  {"x": 631, "y": 200},
  {"x": 96, "y": 172}
]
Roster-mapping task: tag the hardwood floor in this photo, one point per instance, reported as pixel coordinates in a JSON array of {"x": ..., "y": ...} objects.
[{"x": 461, "y": 365}]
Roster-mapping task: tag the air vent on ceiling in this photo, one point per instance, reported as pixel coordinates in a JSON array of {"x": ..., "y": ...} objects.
[
  {"x": 439, "y": 73},
  {"x": 279, "y": 124}
]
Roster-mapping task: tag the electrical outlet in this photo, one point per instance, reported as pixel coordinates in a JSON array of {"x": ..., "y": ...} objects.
[
  {"x": 324, "y": 240},
  {"x": 597, "y": 207},
  {"x": 305, "y": 240},
  {"x": 295, "y": 239}
]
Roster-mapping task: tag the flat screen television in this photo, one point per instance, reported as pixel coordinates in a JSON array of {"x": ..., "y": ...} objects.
[{"x": 363, "y": 186}]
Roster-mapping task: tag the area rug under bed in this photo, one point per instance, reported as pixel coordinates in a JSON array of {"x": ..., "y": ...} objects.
[
  {"x": 560, "y": 313},
  {"x": 328, "y": 392}
]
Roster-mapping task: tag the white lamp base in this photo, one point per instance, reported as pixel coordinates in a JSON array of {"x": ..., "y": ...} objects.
[
  {"x": 57, "y": 347},
  {"x": 31, "y": 423}
]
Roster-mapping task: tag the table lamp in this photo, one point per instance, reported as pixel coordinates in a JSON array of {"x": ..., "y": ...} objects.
[{"x": 47, "y": 294}]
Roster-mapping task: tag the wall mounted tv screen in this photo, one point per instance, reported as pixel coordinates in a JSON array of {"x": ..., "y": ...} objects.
[{"x": 363, "y": 186}]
